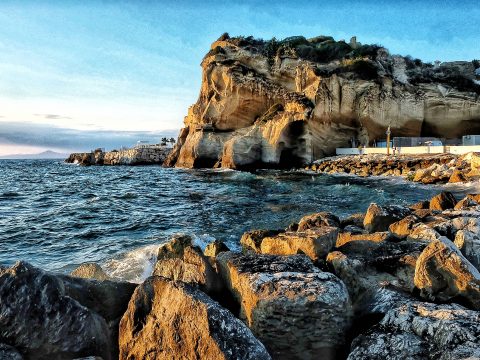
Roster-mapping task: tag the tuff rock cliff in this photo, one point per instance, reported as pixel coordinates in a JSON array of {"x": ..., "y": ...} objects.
[{"x": 286, "y": 103}]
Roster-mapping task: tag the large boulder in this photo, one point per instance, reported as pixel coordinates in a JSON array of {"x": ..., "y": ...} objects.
[
  {"x": 252, "y": 240},
  {"x": 296, "y": 310},
  {"x": 469, "y": 244},
  {"x": 316, "y": 243},
  {"x": 379, "y": 218},
  {"x": 316, "y": 220},
  {"x": 402, "y": 228},
  {"x": 442, "y": 273},
  {"x": 40, "y": 319},
  {"x": 189, "y": 265},
  {"x": 172, "y": 320},
  {"x": 418, "y": 330},
  {"x": 443, "y": 201}
]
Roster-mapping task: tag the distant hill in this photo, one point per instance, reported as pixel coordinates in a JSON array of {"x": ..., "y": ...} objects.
[{"x": 43, "y": 155}]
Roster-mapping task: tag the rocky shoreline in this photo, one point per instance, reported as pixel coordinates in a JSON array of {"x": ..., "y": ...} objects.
[
  {"x": 394, "y": 282},
  {"x": 154, "y": 155},
  {"x": 426, "y": 168}
]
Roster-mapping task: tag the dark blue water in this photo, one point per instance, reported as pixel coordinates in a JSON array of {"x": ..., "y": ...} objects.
[{"x": 56, "y": 215}]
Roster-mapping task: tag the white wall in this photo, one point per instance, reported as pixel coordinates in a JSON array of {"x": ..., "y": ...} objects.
[{"x": 411, "y": 150}]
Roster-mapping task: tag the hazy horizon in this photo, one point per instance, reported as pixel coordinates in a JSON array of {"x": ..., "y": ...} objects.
[{"x": 79, "y": 75}]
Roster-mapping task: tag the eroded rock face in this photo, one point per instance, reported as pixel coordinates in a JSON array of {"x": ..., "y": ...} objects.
[
  {"x": 442, "y": 273},
  {"x": 172, "y": 320},
  {"x": 418, "y": 330},
  {"x": 39, "y": 318},
  {"x": 297, "y": 311},
  {"x": 252, "y": 240},
  {"x": 215, "y": 248},
  {"x": 379, "y": 218},
  {"x": 318, "y": 220},
  {"x": 443, "y": 201},
  {"x": 259, "y": 109}
]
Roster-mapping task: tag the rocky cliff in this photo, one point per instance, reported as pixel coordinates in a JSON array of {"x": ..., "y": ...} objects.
[{"x": 286, "y": 103}]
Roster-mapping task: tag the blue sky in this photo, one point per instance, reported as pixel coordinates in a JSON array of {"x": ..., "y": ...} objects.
[{"x": 113, "y": 66}]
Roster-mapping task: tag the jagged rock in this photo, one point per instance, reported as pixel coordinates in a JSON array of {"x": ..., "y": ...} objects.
[
  {"x": 404, "y": 227},
  {"x": 469, "y": 244},
  {"x": 420, "y": 205},
  {"x": 354, "y": 219},
  {"x": 364, "y": 269},
  {"x": 90, "y": 271},
  {"x": 418, "y": 330},
  {"x": 465, "y": 203},
  {"x": 296, "y": 310},
  {"x": 423, "y": 232},
  {"x": 190, "y": 266},
  {"x": 9, "y": 353},
  {"x": 172, "y": 320},
  {"x": 252, "y": 240},
  {"x": 379, "y": 218},
  {"x": 316, "y": 243},
  {"x": 175, "y": 247},
  {"x": 443, "y": 201},
  {"x": 442, "y": 273},
  {"x": 318, "y": 220},
  {"x": 215, "y": 248},
  {"x": 40, "y": 319},
  {"x": 474, "y": 197},
  {"x": 457, "y": 176}
]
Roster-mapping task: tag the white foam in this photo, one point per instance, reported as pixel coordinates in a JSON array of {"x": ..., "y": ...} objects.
[{"x": 134, "y": 266}]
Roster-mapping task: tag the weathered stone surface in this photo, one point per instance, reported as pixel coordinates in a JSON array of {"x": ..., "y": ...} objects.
[
  {"x": 457, "y": 176},
  {"x": 9, "y": 353},
  {"x": 418, "y": 330},
  {"x": 346, "y": 237},
  {"x": 403, "y": 228},
  {"x": 469, "y": 244},
  {"x": 215, "y": 248},
  {"x": 316, "y": 243},
  {"x": 443, "y": 201},
  {"x": 90, "y": 271},
  {"x": 191, "y": 267},
  {"x": 152, "y": 155},
  {"x": 442, "y": 273},
  {"x": 423, "y": 232},
  {"x": 175, "y": 247},
  {"x": 39, "y": 318},
  {"x": 318, "y": 220},
  {"x": 420, "y": 205},
  {"x": 354, "y": 219},
  {"x": 172, "y": 320},
  {"x": 297, "y": 311},
  {"x": 379, "y": 218},
  {"x": 252, "y": 240},
  {"x": 465, "y": 203}
]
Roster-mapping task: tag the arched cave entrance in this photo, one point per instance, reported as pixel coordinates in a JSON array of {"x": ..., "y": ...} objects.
[{"x": 294, "y": 146}]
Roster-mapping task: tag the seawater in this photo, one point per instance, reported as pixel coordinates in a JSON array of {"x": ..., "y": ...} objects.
[{"x": 57, "y": 216}]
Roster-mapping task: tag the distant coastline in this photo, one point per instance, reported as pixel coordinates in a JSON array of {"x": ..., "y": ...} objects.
[{"x": 44, "y": 155}]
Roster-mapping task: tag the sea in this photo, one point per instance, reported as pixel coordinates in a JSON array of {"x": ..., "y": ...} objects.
[{"x": 57, "y": 216}]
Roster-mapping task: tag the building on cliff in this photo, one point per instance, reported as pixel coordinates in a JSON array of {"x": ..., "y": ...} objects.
[{"x": 285, "y": 103}]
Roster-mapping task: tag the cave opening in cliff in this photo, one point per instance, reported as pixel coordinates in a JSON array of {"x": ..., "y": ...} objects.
[{"x": 293, "y": 146}]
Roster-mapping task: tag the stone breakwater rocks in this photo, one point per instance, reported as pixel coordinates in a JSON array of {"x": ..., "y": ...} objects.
[
  {"x": 135, "y": 156},
  {"x": 397, "y": 282},
  {"x": 426, "y": 169}
]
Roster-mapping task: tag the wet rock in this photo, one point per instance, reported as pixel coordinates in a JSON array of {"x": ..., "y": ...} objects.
[
  {"x": 442, "y": 273},
  {"x": 38, "y": 317},
  {"x": 443, "y": 201},
  {"x": 190, "y": 266},
  {"x": 252, "y": 240},
  {"x": 215, "y": 248},
  {"x": 379, "y": 218},
  {"x": 418, "y": 330},
  {"x": 90, "y": 271},
  {"x": 9, "y": 353},
  {"x": 297, "y": 311},
  {"x": 320, "y": 219},
  {"x": 175, "y": 247},
  {"x": 401, "y": 229},
  {"x": 196, "y": 327},
  {"x": 315, "y": 243}
]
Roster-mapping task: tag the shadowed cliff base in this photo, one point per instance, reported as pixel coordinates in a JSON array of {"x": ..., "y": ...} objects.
[{"x": 283, "y": 104}]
